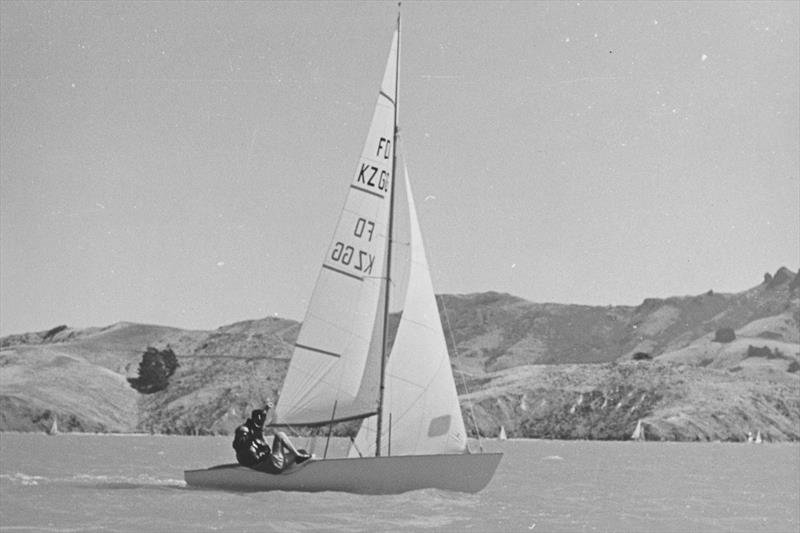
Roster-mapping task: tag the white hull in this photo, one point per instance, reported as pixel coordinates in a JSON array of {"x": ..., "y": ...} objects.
[{"x": 363, "y": 475}]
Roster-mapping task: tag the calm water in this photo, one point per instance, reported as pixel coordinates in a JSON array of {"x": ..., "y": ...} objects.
[{"x": 135, "y": 483}]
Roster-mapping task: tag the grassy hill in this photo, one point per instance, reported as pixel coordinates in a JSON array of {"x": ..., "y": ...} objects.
[{"x": 541, "y": 370}]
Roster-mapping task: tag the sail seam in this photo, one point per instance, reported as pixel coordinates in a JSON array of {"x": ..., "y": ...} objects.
[
  {"x": 359, "y": 278},
  {"x": 318, "y": 350}
]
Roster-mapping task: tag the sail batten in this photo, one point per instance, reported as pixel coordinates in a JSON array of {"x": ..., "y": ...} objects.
[
  {"x": 387, "y": 97},
  {"x": 373, "y": 193},
  {"x": 318, "y": 350},
  {"x": 344, "y": 273}
]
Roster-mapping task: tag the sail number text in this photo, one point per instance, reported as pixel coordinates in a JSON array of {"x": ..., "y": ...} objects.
[
  {"x": 364, "y": 226},
  {"x": 350, "y": 256},
  {"x": 376, "y": 177}
]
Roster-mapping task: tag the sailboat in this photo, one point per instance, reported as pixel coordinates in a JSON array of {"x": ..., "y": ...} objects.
[
  {"x": 412, "y": 434},
  {"x": 638, "y": 433},
  {"x": 502, "y": 435},
  {"x": 53, "y": 430}
]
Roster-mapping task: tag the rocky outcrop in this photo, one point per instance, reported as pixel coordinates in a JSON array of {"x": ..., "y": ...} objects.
[
  {"x": 605, "y": 402},
  {"x": 781, "y": 277}
]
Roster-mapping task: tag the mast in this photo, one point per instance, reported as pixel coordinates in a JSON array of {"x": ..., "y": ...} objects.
[{"x": 390, "y": 233}]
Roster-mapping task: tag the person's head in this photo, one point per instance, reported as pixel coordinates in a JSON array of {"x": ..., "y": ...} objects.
[{"x": 258, "y": 416}]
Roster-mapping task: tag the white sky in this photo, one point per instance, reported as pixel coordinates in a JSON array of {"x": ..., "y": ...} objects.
[{"x": 184, "y": 163}]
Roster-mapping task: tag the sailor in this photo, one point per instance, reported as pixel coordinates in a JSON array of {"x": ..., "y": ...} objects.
[{"x": 252, "y": 448}]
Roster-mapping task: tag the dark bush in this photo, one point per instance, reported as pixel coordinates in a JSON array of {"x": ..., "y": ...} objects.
[
  {"x": 642, "y": 356},
  {"x": 794, "y": 366},
  {"x": 725, "y": 335},
  {"x": 753, "y": 351},
  {"x": 53, "y": 332},
  {"x": 155, "y": 369},
  {"x": 777, "y": 354}
]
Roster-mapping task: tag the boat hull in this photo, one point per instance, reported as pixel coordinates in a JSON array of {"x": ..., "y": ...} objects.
[{"x": 363, "y": 475}]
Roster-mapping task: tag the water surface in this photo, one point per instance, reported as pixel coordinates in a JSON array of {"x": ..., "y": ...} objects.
[{"x": 135, "y": 483}]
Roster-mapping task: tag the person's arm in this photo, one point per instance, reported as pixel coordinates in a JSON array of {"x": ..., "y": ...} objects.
[{"x": 270, "y": 412}]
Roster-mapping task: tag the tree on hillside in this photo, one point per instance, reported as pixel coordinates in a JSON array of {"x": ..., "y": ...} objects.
[
  {"x": 764, "y": 351},
  {"x": 155, "y": 369},
  {"x": 725, "y": 335}
]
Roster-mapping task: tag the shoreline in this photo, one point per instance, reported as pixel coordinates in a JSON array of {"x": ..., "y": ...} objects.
[{"x": 472, "y": 441}]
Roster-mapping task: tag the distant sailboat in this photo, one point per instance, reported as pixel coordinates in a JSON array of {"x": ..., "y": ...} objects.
[
  {"x": 638, "y": 433},
  {"x": 53, "y": 427},
  {"x": 758, "y": 437},
  {"x": 750, "y": 437},
  {"x": 412, "y": 434},
  {"x": 502, "y": 435}
]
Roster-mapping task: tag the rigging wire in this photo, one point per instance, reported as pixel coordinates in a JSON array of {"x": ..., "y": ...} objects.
[{"x": 461, "y": 372}]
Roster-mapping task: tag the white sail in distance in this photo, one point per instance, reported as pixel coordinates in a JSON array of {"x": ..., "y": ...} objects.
[
  {"x": 421, "y": 413},
  {"x": 336, "y": 348}
]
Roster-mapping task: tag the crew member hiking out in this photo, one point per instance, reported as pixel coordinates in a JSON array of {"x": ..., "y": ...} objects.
[{"x": 252, "y": 448}]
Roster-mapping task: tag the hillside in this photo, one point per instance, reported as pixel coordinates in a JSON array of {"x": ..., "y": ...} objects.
[{"x": 541, "y": 370}]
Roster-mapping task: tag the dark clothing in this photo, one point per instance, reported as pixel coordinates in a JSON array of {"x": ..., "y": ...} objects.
[
  {"x": 249, "y": 443},
  {"x": 257, "y": 431}
]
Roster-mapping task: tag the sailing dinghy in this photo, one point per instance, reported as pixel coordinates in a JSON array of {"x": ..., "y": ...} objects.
[
  {"x": 412, "y": 434},
  {"x": 53, "y": 430},
  {"x": 638, "y": 433}
]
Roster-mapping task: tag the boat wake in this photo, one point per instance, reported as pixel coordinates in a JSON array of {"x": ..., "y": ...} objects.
[
  {"x": 22, "y": 479},
  {"x": 142, "y": 481},
  {"x": 97, "y": 481}
]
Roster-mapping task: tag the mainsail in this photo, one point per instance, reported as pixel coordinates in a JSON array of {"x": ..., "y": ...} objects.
[
  {"x": 337, "y": 345},
  {"x": 421, "y": 412}
]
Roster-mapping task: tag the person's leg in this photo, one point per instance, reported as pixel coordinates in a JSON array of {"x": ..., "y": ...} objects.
[
  {"x": 282, "y": 441},
  {"x": 281, "y": 437},
  {"x": 277, "y": 458}
]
